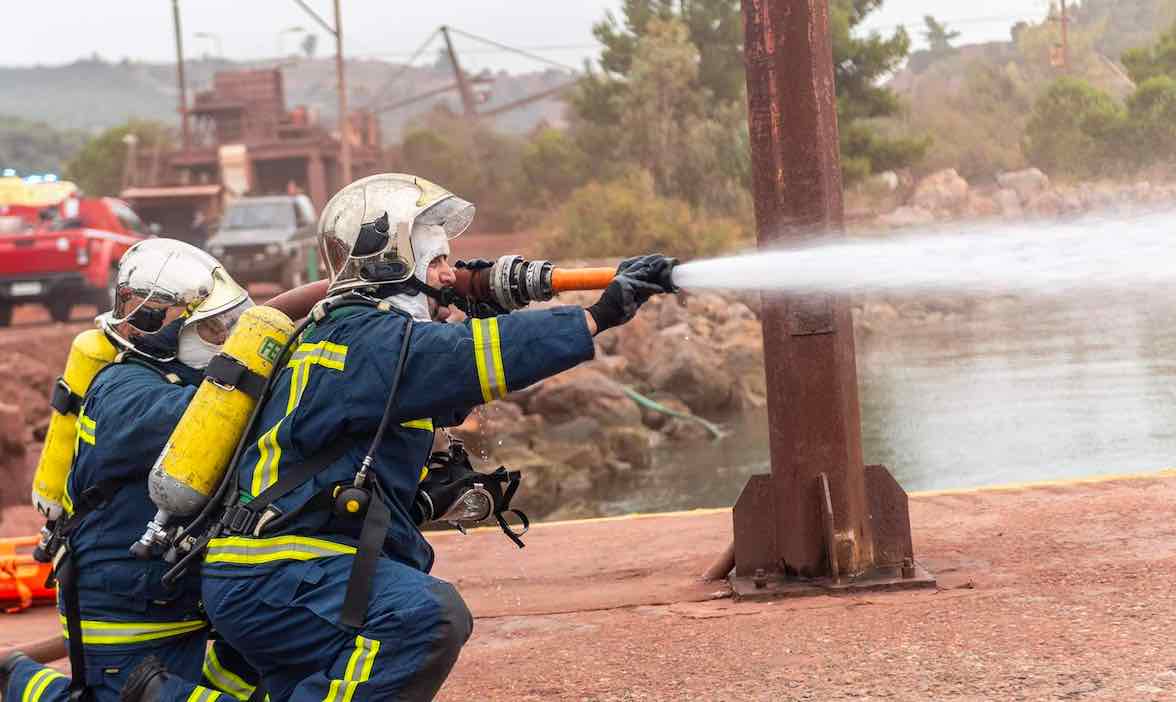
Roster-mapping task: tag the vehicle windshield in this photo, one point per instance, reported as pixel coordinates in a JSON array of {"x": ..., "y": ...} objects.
[{"x": 259, "y": 215}]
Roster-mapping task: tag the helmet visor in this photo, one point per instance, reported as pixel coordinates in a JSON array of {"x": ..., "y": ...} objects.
[{"x": 453, "y": 214}]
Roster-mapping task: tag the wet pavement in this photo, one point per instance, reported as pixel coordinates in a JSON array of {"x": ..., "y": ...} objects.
[{"x": 1048, "y": 592}]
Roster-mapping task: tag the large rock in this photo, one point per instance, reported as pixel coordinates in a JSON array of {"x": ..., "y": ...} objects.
[
  {"x": 1028, "y": 183},
  {"x": 1046, "y": 204},
  {"x": 1009, "y": 203},
  {"x": 904, "y": 217},
  {"x": 631, "y": 340},
  {"x": 670, "y": 312},
  {"x": 630, "y": 448},
  {"x": 694, "y": 373},
  {"x": 708, "y": 306},
  {"x": 583, "y": 392},
  {"x": 944, "y": 191},
  {"x": 742, "y": 347},
  {"x": 981, "y": 207},
  {"x": 497, "y": 425}
]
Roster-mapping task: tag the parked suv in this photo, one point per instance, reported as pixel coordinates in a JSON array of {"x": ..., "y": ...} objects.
[{"x": 267, "y": 240}]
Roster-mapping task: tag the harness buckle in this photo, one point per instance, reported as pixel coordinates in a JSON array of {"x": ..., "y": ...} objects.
[{"x": 240, "y": 520}]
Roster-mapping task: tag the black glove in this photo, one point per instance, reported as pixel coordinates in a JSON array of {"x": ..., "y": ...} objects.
[
  {"x": 638, "y": 279},
  {"x": 477, "y": 308},
  {"x": 474, "y": 264}
]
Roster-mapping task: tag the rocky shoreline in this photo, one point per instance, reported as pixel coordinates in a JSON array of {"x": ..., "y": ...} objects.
[{"x": 899, "y": 202}]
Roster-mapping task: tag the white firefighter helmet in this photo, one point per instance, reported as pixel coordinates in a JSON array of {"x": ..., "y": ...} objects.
[
  {"x": 160, "y": 281},
  {"x": 366, "y": 230}
]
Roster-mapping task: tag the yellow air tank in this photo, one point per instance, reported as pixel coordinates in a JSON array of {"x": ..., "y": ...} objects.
[
  {"x": 196, "y": 456},
  {"x": 91, "y": 352}
]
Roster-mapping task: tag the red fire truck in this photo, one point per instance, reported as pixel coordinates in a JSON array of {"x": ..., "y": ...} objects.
[{"x": 64, "y": 254}]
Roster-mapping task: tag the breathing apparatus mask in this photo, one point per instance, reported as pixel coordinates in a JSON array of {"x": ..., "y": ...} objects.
[
  {"x": 200, "y": 342},
  {"x": 454, "y": 493},
  {"x": 163, "y": 286}
]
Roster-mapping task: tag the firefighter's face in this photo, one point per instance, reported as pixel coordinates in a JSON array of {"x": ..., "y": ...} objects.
[{"x": 439, "y": 275}]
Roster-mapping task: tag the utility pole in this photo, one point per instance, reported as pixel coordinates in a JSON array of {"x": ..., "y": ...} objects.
[
  {"x": 337, "y": 32},
  {"x": 185, "y": 135},
  {"x": 1059, "y": 54},
  {"x": 1065, "y": 38},
  {"x": 344, "y": 120},
  {"x": 468, "y": 104}
]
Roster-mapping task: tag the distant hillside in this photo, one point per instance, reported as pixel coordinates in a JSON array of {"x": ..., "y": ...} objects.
[
  {"x": 35, "y": 147},
  {"x": 93, "y": 94},
  {"x": 975, "y": 100}
]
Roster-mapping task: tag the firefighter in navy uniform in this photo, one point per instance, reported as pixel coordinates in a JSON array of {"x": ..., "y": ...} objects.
[
  {"x": 174, "y": 305},
  {"x": 321, "y": 578}
]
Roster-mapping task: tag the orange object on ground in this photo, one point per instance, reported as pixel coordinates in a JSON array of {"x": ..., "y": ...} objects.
[{"x": 22, "y": 580}]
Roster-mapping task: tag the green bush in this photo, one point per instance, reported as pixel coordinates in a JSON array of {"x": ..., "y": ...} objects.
[
  {"x": 1076, "y": 130},
  {"x": 626, "y": 217},
  {"x": 1151, "y": 115}
]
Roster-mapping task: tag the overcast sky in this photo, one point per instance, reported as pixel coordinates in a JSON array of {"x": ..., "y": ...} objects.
[{"x": 59, "y": 31}]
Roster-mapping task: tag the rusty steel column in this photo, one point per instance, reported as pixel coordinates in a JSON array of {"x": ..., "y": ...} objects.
[{"x": 813, "y": 517}]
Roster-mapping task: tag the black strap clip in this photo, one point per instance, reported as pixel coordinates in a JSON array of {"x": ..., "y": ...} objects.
[
  {"x": 240, "y": 520},
  {"x": 63, "y": 399},
  {"x": 230, "y": 374}
]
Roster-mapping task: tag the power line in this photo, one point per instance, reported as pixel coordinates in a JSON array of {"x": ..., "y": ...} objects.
[
  {"x": 520, "y": 52},
  {"x": 491, "y": 50},
  {"x": 405, "y": 68}
]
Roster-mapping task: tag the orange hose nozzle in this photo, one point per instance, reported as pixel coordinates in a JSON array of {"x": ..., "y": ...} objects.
[{"x": 567, "y": 279}]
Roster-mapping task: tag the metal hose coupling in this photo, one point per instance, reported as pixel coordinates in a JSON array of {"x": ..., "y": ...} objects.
[{"x": 513, "y": 282}]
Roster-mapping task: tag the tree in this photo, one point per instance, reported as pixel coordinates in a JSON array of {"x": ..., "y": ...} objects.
[
  {"x": 1074, "y": 130},
  {"x": 937, "y": 36},
  {"x": 1152, "y": 61},
  {"x": 98, "y": 167},
  {"x": 715, "y": 29},
  {"x": 1151, "y": 115},
  {"x": 35, "y": 147},
  {"x": 664, "y": 119}
]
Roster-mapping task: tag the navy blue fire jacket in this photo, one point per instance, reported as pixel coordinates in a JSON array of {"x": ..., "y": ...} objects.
[
  {"x": 334, "y": 391},
  {"x": 126, "y": 418}
]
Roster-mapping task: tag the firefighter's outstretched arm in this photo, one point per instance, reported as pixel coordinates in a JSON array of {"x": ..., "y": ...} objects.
[{"x": 452, "y": 367}]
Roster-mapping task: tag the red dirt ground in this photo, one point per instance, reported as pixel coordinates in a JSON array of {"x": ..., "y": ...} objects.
[{"x": 1055, "y": 592}]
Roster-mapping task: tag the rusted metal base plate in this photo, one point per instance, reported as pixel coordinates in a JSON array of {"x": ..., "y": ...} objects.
[{"x": 776, "y": 587}]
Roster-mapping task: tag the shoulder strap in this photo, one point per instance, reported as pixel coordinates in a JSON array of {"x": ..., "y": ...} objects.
[
  {"x": 244, "y": 517},
  {"x": 127, "y": 357}
]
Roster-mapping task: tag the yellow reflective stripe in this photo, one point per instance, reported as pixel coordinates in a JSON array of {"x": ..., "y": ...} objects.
[
  {"x": 426, "y": 424},
  {"x": 253, "y": 551},
  {"x": 66, "y": 500},
  {"x": 362, "y": 658},
  {"x": 86, "y": 428},
  {"x": 479, "y": 360},
  {"x": 269, "y": 450},
  {"x": 203, "y": 694},
  {"x": 38, "y": 683},
  {"x": 223, "y": 678},
  {"x": 424, "y": 474},
  {"x": 496, "y": 350},
  {"x": 96, "y": 632}
]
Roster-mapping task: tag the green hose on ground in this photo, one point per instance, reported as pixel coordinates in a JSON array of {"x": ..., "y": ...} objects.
[{"x": 715, "y": 432}]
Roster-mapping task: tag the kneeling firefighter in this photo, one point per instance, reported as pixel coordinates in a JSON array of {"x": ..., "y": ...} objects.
[
  {"x": 319, "y": 575},
  {"x": 174, "y": 305}
]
